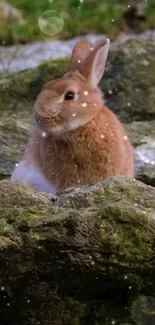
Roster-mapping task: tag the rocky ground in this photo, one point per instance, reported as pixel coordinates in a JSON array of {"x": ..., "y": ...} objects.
[{"x": 87, "y": 257}]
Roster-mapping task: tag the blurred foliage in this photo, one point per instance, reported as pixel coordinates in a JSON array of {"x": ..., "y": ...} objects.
[{"x": 80, "y": 17}]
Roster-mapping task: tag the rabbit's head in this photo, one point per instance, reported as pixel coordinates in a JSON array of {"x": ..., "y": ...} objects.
[{"x": 73, "y": 100}]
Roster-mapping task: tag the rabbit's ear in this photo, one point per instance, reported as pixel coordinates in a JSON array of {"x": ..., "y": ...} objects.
[
  {"x": 80, "y": 52},
  {"x": 93, "y": 66}
]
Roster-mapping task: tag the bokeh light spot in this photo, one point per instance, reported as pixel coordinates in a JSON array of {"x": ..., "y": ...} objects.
[{"x": 51, "y": 22}]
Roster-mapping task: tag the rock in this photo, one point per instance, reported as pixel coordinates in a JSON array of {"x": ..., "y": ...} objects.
[
  {"x": 149, "y": 34},
  {"x": 65, "y": 262},
  {"x": 18, "y": 91},
  {"x": 13, "y": 137},
  {"x": 129, "y": 82},
  {"x": 143, "y": 310},
  {"x": 142, "y": 135},
  {"x": 14, "y": 59},
  {"x": 145, "y": 172},
  {"x": 17, "y": 97},
  {"x": 9, "y": 13}
]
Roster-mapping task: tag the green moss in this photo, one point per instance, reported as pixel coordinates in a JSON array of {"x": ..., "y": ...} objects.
[
  {"x": 118, "y": 234},
  {"x": 19, "y": 93},
  {"x": 145, "y": 134},
  {"x": 146, "y": 174},
  {"x": 19, "y": 90},
  {"x": 65, "y": 265},
  {"x": 143, "y": 310},
  {"x": 72, "y": 312}
]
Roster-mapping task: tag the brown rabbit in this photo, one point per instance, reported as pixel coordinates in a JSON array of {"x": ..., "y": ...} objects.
[{"x": 77, "y": 139}]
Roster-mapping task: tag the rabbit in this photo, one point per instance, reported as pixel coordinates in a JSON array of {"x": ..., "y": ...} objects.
[{"x": 77, "y": 140}]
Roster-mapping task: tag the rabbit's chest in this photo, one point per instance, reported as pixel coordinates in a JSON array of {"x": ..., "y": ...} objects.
[
  {"x": 62, "y": 169},
  {"x": 67, "y": 167}
]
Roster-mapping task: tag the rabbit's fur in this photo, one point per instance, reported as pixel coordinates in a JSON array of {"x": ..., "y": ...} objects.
[{"x": 77, "y": 141}]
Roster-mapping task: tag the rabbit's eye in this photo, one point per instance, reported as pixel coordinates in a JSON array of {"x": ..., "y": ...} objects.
[{"x": 70, "y": 95}]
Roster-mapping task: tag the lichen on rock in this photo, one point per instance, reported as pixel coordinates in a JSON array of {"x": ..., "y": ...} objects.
[{"x": 62, "y": 262}]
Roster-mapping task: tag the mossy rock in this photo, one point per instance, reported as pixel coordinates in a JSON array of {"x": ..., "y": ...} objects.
[
  {"x": 143, "y": 310},
  {"x": 129, "y": 80},
  {"x": 19, "y": 91},
  {"x": 142, "y": 136},
  {"x": 64, "y": 262}
]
